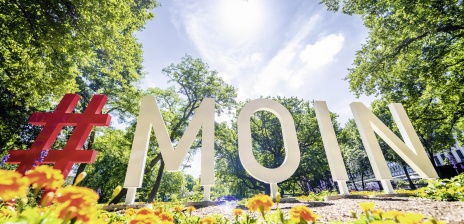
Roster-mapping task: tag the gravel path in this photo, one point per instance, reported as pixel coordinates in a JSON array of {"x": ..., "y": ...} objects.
[{"x": 450, "y": 212}]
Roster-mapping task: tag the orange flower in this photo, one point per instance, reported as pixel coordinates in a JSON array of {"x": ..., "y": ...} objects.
[
  {"x": 12, "y": 185},
  {"x": 165, "y": 216},
  {"x": 45, "y": 177},
  {"x": 208, "y": 220},
  {"x": 299, "y": 212},
  {"x": 260, "y": 203},
  {"x": 145, "y": 211},
  {"x": 237, "y": 212},
  {"x": 158, "y": 211},
  {"x": 47, "y": 199},
  {"x": 178, "y": 209},
  {"x": 81, "y": 198}
]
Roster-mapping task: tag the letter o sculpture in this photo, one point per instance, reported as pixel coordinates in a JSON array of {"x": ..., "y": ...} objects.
[{"x": 292, "y": 151}]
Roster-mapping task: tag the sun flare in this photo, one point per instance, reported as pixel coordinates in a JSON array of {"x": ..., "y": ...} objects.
[{"x": 241, "y": 19}]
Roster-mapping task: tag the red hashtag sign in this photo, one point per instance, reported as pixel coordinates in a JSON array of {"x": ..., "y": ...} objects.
[{"x": 53, "y": 123}]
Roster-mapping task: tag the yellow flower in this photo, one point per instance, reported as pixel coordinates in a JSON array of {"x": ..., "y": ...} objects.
[
  {"x": 45, "y": 177},
  {"x": 190, "y": 209},
  {"x": 383, "y": 222},
  {"x": 208, "y": 220},
  {"x": 116, "y": 191},
  {"x": 12, "y": 185},
  {"x": 377, "y": 212},
  {"x": 411, "y": 218},
  {"x": 237, "y": 212},
  {"x": 431, "y": 220},
  {"x": 178, "y": 209},
  {"x": 299, "y": 212},
  {"x": 367, "y": 206},
  {"x": 81, "y": 198},
  {"x": 144, "y": 219},
  {"x": 7, "y": 211},
  {"x": 260, "y": 203},
  {"x": 393, "y": 214},
  {"x": 278, "y": 197},
  {"x": 79, "y": 178},
  {"x": 130, "y": 212}
]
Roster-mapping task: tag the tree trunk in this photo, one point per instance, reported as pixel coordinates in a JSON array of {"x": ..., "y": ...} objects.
[
  {"x": 411, "y": 184},
  {"x": 267, "y": 189},
  {"x": 430, "y": 154},
  {"x": 352, "y": 179},
  {"x": 380, "y": 185},
  {"x": 82, "y": 166},
  {"x": 155, "y": 188},
  {"x": 362, "y": 181}
]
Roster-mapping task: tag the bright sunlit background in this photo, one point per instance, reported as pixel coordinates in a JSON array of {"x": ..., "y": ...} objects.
[{"x": 262, "y": 47}]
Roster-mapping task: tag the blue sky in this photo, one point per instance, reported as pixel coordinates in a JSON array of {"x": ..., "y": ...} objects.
[{"x": 261, "y": 47}]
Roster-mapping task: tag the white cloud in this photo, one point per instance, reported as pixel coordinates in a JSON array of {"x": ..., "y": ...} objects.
[
  {"x": 224, "y": 33},
  {"x": 265, "y": 49},
  {"x": 282, "y": 71},
  {"x": 323, "y": 51}
]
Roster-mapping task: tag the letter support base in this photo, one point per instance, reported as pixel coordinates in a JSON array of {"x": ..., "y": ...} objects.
[{"x": 130, "y": 196}]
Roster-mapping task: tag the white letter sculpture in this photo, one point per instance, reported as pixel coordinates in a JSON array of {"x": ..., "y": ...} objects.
[
  {"x": 150, "y": 116},
  {"x": 332, "y": 149},
  {"x": 412, "y": 152},
  {"x": 292, "y": 150}
]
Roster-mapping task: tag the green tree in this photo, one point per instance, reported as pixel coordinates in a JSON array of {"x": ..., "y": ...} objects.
[
  {"x": 414, "y": 55},
  {"x": 50, "y": 48},
  {"x": 353, "y": 152},
  {"x": 109, "y": 169},
  {"x": 229, "y": 169},
  {"x": 193, "y": 81},
  {"x": 268, "y": 149},
  {"x": 380, "y": 109}
]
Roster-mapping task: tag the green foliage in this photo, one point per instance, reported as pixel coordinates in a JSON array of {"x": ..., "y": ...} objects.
[
  {"x": 55, "y": 47},
  {"x": 414, "y": 55},
  {"x": 312, "y": 196},
  {"x": 444, "y": 189},
  {"x": 353, "y": 152},
  {"x": 193, "y": 81},
  {"x": 268, "y": 149},
  {"x": 109, "y": 169},
  {"x": 48, "y": 43}
]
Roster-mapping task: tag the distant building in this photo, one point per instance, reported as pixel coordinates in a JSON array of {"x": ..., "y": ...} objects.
[{"x": 397, "y": 170}]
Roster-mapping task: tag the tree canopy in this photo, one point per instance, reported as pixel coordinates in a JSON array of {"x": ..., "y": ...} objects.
[
  {"x": 50, "y": 48},
  {"x": 193, "y": 81},
  {"x": 268, "y": 149},
  {"x": 414, "y": 55}
]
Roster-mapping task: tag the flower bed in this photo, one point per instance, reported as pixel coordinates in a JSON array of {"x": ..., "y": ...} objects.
[{"x": 74, "y": 204}]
